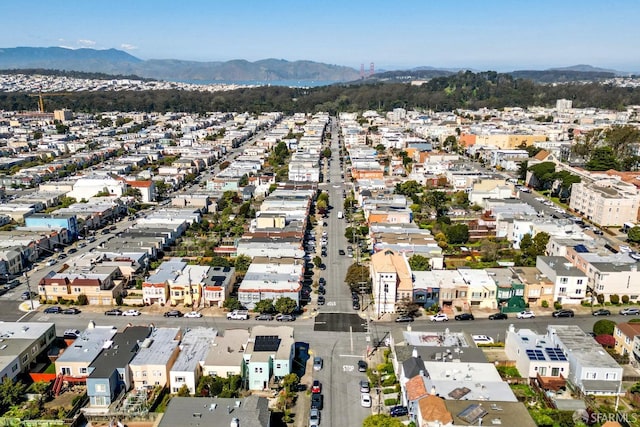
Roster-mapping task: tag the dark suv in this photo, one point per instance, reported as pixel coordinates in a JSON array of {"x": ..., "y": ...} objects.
[
  {"x": 317, "y": 401},
  {"x": 53, "y": 310},
  {"x": 114, "y": 312},
  {"x": 173, "y": 313}
]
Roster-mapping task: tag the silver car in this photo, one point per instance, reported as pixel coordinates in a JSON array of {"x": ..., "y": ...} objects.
[
  {"x": 314, "y": 417},
  {"x": 317, "y": 363}
]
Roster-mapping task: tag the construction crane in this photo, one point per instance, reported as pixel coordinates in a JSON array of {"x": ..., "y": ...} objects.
[{"x": 41, "y": 96}]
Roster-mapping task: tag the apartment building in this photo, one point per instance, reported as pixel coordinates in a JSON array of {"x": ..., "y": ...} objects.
[
  {"x": 157, "y": 353},
  {"x": 606, "y": 202},
  {"x": 391, "y": 280}
]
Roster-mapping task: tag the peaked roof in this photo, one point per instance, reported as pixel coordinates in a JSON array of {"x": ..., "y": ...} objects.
[
  {"x": 412, "y": 367},
  {"x": 542, "y": 155},
  {"x": 415, "y": 388},
  {"x": 433, "y": 408}
]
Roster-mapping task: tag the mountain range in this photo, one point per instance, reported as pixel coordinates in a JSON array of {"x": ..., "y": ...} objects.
[{"x": 117, "y": 62}]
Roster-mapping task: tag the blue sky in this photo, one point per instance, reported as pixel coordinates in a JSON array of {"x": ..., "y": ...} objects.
[{"x": 481, "y": 34}]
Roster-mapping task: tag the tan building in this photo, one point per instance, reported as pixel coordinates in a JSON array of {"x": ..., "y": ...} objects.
[
  {"x": 226, "y": 354},
  {"x": 624, "y": 333},
  {"x": 508, "y": 141},
  {"x": 157, "y": 354},
  {"x": 537, "y": 288},
  {"x": 100, "y": 284},
  {"x": 75, "y": 360},
  {"x": 391, "y": 281},
  {"x": 607, "y": 202}
]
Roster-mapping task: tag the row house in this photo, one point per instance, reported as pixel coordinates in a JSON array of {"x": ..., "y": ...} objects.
[
  {"x": 271, "y": 278},
  {"x": 625, "y": 334},
  {"x": 100, "y": 284},
  {"x": 570, "y": 283}
]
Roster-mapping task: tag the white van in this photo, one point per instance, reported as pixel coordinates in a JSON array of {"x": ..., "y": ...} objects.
[{"x": 340, "y": 216}]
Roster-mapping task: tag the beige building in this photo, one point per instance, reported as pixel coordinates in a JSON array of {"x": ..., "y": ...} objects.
[
  {"x": 607, "y": 202},
  {"x": 226, "y": 354},
  {"x": 624, "y": 333},
  {"x": 390, "y": 280},
  {"x": 100, "y": 284},
  {"x": 75, "y": 360},
  {"x": 157, "y": 354},
  {"x": 508, "y": 141}
]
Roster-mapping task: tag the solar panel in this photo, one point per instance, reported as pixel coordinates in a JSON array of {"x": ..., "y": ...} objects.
[
  {"x": 266, "y": 343},
  {"x": 533, "y": 354},
  {"x": 472, "y": 413},
  {"x": 555, "y": 354}
]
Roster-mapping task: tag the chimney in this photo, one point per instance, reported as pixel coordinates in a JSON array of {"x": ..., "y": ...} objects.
[
  {"x": 433, "y": 390},
  {"x": 414, "y": 353}
]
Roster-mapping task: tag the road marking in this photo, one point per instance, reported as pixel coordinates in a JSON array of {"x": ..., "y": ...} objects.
[
  {"x": 348, "y": 368},
  {"x": 351, "y": 355},
  {"x": 331, "y": 304}
]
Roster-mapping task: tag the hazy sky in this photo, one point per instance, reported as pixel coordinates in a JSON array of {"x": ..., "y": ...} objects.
[{"x": 482, "y": 34}]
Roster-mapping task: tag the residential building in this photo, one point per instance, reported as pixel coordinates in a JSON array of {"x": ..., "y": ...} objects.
[
  {"x": 606, "y": 202},
  {"x": 22, "y": 344},
  {"x": 537, "y": 288},
  {"x": 76, "y": 360},
  {"x": 591, "y": 371},
  {"x": 570, "y": 283},
  {"x": 271, "y": 278},
  {"x": 268, "y": 356},
  {"x": 252, "y": 411},
  {"x": 158, "y": 352},
  {"x": 624, "y": 333},
  {"x": 194, "y": 348},
  {"x": 391, "y": 281},
  {"x": 225, "y": 357},
  {"x": 481, "y": 288},
  {"x": 217, "y": 286},
  {"x": 100, "y": 284}
]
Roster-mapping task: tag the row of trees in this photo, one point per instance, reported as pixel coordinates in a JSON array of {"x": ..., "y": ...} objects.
[
  {"x": 610, "y": 148},
  {"x": 462, "y": 90}
]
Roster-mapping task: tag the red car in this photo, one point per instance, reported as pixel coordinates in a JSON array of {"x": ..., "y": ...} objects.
[{"x": 316, "y": 387}]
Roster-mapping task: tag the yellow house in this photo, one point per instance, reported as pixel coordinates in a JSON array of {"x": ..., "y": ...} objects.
[
  {"x": 157, "y": 354},
  {"x": 624, "y": 333}
]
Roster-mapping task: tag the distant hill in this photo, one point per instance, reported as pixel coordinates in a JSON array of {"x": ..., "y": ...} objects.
[
  {"x": 586, "y": 68},
  {"x": 113, "y": 61},
  {"x": 561, "y": 75}
]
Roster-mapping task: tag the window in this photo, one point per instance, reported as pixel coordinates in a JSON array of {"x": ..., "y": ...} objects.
[
  {"x": 83, "y": 370},
  {"x": 101, "y": 388},
  {"x": 562, "y": 290},
  {"x": 542, "y": 370},
  {"x": 213, "y": 374},
  {"x": 25, "y": 358},
  {"x": 591, "y": 375},
  {"x": 579, "y": 282},
  {"x": 564, "y": 280},
  {"x": 180, "y": 379},
  {"x": 555, "y": 372},
  {"x": 611, "y": 376},
  {"x": 278, "y": 366}
]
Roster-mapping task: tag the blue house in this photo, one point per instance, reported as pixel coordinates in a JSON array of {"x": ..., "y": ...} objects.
[
  {"x": 109, "y": 372},
  {"x": 54, "y": 221},
  {"x": 426, "y": 291}
]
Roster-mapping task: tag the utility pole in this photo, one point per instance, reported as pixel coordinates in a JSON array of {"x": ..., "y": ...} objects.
[{"x": 26, "y": 276}]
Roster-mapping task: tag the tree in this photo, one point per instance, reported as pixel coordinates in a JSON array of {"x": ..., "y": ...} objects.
[
  {"x": 522, "y": 170},
  {"x": 317, "y": 261},
  {"x": 633, "y": 235},
  {"x": 242, "y": 263},
  {"x": 285, "y": 305},
  {"x": 419, "y": 263},
  {"x": 410, "y": 189},
  {"x": 457, "y": 234},
  {"x": 82, "y": 299},
  {"x": 381, "y": 420},
  {"x": 264, "y": 306},
  {"x": 326, "y": 153},
  {"x": 544, "y": 173},
  {"x": 604, "y": 327},
  {"x": 290, "y": 382},
  {"x": 407, "y": 307},
  {"x": 183, "y": 391},
  {"x": 489, "y": 250},
  {"x": 356, "y": 275},
  {"x": 437, "y": 200},
  {"x": 602, "y": 159},
  {"x": 218, "y": 261},
  {"x": 232, "y": 304},
  {"x": 11, "y": 393}
]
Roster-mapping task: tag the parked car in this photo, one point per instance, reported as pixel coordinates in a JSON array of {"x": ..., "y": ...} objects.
[
  {"x": 51, "y": 263},
  {"x": 399, "y": 411},
  {"x": 482, "y": 339},
  {"x": 173, "y": 313},
  {"x": 71, "y": 310},
  {"x": 403, "y": 319},
  {"x": 72, "y": 250},
  {"x": 321, "y": 300},
  {"x": 526, "y": 314},
  {"x": 317, "y": 401},
  {"x": 440, "y": 317},
  {"x": 630, "y": 311},
  {"x": 322, "y": 281},
  {"x": 285, "y": 318},
  {"x": 316, "y": 387},
  {"x": 356, "y": 305},
  {"x": 364, "y": 386},
  {"x": 562, "y": 313},
  {"x": 53, "y": 310},
  {"x": 238, "y": 315},
  {"x": 602, "y": 312},
  {"x": 113, "y": 312},
  {"x": 264, "y": 316},
  {"x": 62, "y": 256},
  {"x": 26, "y": 295},
  {"x": 362, "y": 366},
  {"x": 498, "y": 316},
  {"x": 314, "y": 417},
  {"x": 341, "y": 251},
  {"x": 365, "y": 400},
  {"x": 193, "y": 314},
  {"x": 317, "y": 363},
  {"x": 464, "y": 316},
  {"x": 131, "y": 313},
  {"x": 12, "y": 284}
]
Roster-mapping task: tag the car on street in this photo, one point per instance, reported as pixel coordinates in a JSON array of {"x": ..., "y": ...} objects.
[
  {"x": 316, "y": 387},
  {"x": 322, "y": 290},
  {"x": 317, "y": 401},
  {"x": 71, "y": 310},
  {"x": 464, "y": 316},
  {"x": 62, "y": 256},
  {"x": 440, "y": 317},
  {"x": 26, "y": 295},
  {"x": 193, "y": 314},
  {"x": 563, "y": 313},
  {"x": 264, "y": 316},
  {"x": 403, "y": 319},
  {"x": 526, "y": 314},
  {"x": 317, "y": 363},
  {"x": 630, "y": 311},
  {"x": 314, "y": 417},
  {"x": 601, "y": 312},
  {"x": 364, "y": 386},
  {"x": 51, "y": 263},
  {"x": 72, "y": 250},
  {"x": 12, "y": 284},
  {"x": 482, "y": 339},
  {"x": 362, "y": 366},
  {"x": 285, "y": 318},
  {"x": 113, "y": 312},
  {"x": 341, "y": 251},
  {"x": 356, "y": 305},
  {"x": 399, "y": 411},
  {"x": 173, "y": 313},
  {"x": 53, "y": 310},
  {"x": 131, "y": 313},
  {"x": 321, "y": 300},
  {"x": 365, "y": 400},
  {"x": 322, "y": 281}
]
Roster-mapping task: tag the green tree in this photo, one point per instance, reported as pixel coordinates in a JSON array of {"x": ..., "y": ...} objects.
[
  {"x": 244, "y": 181},
  {"x": 183, "y": 391},
  {"x": 410, "y": 189},
  {"x": 290, "y": 382},
  {"x": 11, "y": 393},
  {"x": 317, "y": 261},
  {"x": 602, "y": 159},
  {"x": 264, "y": 306},
  {"x": 604, "y": 327},
  {"x": 457, "y": 234},
  {"x": 285, "y": 305},
  {"x": 419, "y": 263},
  {"x": 232, "y": 304},
  {"x": 522, "y": 170},
  {"x": 633, "y": 235},
  {"x": 242, "y": 263},
  {"x": 437, "y": 200},
  {"x": 326, "y": 153},
  {"x": 82, "y": 299},
  {"x": 218, "y": 261},
  {"x": 544, "y": 173},
  {"x": 381, "y": 420},
  {"x": 356, "y": 275},
  {"x": 407, "y": 307}
]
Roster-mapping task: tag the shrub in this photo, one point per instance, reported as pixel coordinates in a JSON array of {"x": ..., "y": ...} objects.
[
  {"x": 389, "y": 390},
  {"x": 625, "y": 299},
  {"x": 604, "y": 327},
  {"x": 389, "y": 381},
  {"x": 545, "y": 304},
  {"x": 390, "y": 402},
  {"x": 600, "y": 298},
  {"x": 82, "y": 299},
  {"x": 615, "y": 299},
  {"x": 557, "y": 305}
]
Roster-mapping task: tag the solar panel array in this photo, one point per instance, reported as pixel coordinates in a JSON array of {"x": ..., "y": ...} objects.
[
  {"x": 267, "y": 343},
  {"x": 555, "y": 354},
  {"x": 535, "y": 355}
]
